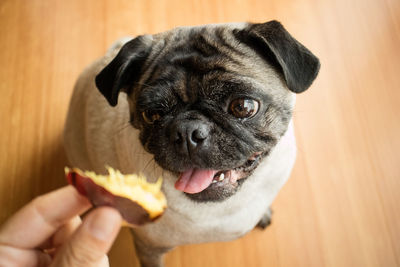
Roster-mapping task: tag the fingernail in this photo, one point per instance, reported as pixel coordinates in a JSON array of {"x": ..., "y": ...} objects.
[{"x": 104, "y": 223}]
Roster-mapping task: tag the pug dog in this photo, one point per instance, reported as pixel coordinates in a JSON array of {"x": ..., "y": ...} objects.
[{"x": 208, "y": 108}]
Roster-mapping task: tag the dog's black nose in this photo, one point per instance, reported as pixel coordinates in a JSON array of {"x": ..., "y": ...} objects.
[{"x": 189, "y": 135}]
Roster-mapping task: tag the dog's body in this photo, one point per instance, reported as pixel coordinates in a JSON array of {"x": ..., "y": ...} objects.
[{"x": 97, "y": 135}]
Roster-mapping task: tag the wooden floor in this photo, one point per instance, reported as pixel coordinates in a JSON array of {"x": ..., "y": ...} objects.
[{"x": 341, "y": 206}]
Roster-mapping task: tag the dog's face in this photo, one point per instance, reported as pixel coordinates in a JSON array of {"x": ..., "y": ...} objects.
[{"x": 210, "y": 102}]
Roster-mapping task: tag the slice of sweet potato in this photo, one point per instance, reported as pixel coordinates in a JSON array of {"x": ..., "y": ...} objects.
[{"x": 138, "y": 201}]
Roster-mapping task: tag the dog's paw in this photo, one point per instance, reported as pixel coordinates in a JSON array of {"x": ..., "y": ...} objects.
[{"x": 265, "y": 220}]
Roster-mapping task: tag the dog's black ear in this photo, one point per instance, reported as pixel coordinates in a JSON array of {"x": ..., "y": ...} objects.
[
  {"x": 298, "y": 65},
  {"x": 124, "y": 69}
]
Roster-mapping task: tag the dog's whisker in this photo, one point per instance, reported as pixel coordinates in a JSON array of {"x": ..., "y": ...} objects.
[
  {"x": 147, "y": 164},
  {"x": 154, "y": 167},
  {"x": 124, "y": 126},
  {"x": 141, "y": 153},
  {"x": 143, "y": 84}
]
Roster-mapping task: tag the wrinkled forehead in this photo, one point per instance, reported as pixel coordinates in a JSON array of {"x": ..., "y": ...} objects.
[
  {"x": 196, "y": 49},
  {"x": 208, "y": 58}
]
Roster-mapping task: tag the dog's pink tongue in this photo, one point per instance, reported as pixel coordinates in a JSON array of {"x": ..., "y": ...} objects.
[{"x": 194, "y": 180}]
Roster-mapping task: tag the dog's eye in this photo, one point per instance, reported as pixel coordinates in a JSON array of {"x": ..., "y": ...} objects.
[
  {"x": 150, "y": 116},
  {"x": 243, "y": 108}
]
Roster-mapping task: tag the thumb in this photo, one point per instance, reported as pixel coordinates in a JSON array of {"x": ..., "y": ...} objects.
[{"x": 89, "y": 244}]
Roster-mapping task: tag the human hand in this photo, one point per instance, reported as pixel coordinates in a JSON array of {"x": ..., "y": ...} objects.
[{"x": 48, "y": 232}]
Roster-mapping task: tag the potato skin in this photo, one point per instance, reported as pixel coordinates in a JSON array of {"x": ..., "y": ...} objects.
[{"x": 131, "y": 211}]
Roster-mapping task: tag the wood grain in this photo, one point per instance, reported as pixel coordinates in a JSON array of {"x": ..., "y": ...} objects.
[{"x": 341, "y": 205}]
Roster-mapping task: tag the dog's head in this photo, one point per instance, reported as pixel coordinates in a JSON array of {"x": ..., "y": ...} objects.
[{"x": 210, "y": 102}]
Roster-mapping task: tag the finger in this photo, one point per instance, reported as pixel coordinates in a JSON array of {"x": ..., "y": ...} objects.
[
  {"x": 104, "y": 262},
  {"x": 10, "y": 256},
  {"x": 39, "y": 219},
  {"x": 89, "y": 244},
  {"x": 63, "y": 234}
]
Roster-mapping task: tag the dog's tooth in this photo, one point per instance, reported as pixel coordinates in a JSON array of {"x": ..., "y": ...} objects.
[
  {"x": 221, "y": 177},
  {"x": 214, "y": 181}
]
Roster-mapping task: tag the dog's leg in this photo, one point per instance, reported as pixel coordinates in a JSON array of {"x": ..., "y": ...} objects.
[
  {"x": 148, "y": 255},
  {"x": 265, "y": 219}
]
